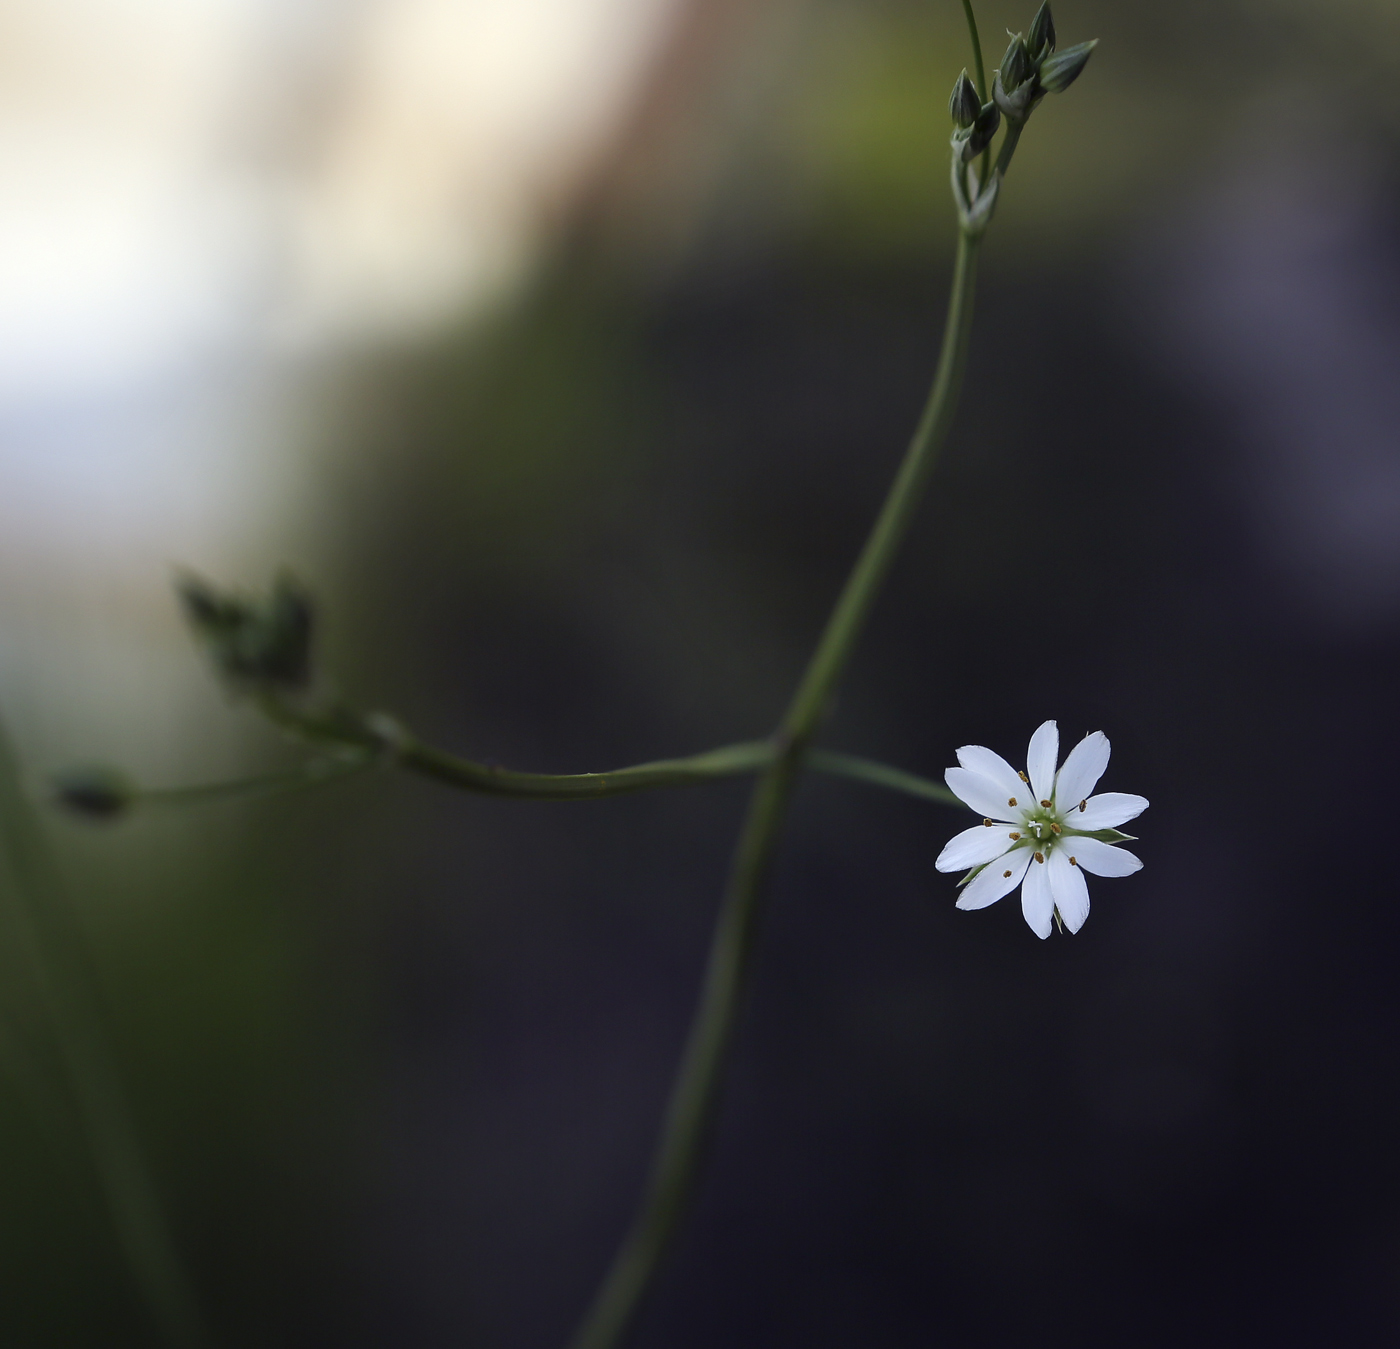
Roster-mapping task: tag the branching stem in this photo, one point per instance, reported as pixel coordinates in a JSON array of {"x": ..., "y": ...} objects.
[{"x": 695, "y": 1098}]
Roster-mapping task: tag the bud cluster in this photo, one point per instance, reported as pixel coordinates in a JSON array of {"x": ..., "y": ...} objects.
[
  {"x": 1031, "y": 67},
  {"x": 259, "y": 644}
]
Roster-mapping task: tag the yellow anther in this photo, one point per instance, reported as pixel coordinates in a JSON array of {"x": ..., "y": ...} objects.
[
  {"x": 1046, "y": 804},
  {"x": 1054, "y": 828},
  {"x": 1005, "y": 875},
  {"x": 988, "y": 823},
  {"x": 1013, "y": 837},
  {"x": 1011, "y": 801},
  {"x": 1040, "y": 857},
  {"x": 1072, "y": 862},
  {"x": 1082, "y": 804},
  {"x": 1023, "y": 777}
]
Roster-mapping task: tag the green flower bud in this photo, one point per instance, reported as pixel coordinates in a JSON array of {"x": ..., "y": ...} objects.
[
  {"x": 96, "y": 793},
  {"x": 1016, "y": 66},
  {"x": 254, "y": 644},
  {"x": 964, "y": 105},
  {"x": 971, "y": 141},
  {"x": 1060, "y": 71},
  {"x": 1041, "y": 38}
]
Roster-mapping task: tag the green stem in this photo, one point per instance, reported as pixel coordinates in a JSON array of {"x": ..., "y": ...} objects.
[
  {"x": 982, "y": 91},
  {"x": 47, "y": 931},
  {"x": 695, "y": 1096},
  {"x": 879, "y": 775},
  {"x": 313, "y": 773}
]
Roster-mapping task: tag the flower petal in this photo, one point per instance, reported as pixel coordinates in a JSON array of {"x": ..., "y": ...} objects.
[
  {"x": 990, "y": 765},
  {"x": 982, "y": 794},
  {"x": 1083, "y": 767},
  {"x": 1103, "y": 859},
  {"x": 973, "y": 847},
  {"x": 1041, "y": 757},
  {"x": 1037, "y": 899},
  {"x": 1067, "y": 885},
  {"x": 1107, "y": 810},
  {"x": 995, "y": 880}
]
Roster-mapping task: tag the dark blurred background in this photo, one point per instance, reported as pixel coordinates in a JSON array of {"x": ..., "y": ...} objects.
[{"x": 582, "y": 497}]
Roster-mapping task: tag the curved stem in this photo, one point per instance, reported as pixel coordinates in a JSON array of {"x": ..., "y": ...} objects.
[
  {"x": 695, "y": 1097},
  {"x": 879, "y": 775},
  {"x": 313, "y": 773}
]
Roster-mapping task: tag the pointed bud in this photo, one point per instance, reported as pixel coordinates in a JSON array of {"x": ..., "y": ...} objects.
[
  {"x": 95, "y": 793},
  {"x": 1016, "y": 66},
  {"x": 1061, "y": 70},
  {"x": 964, "y": 105},
  {"x": 1041, "y": 38},
  {"x": 254, "y": 644},
  {"x": 971, "y": 141}
]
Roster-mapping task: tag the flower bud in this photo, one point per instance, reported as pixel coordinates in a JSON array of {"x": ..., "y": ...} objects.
[
  {"x": 1016, "y": 66},
  {"x": 964, "y": 105},
  {"x": 96, "y": 793},
  {"x": 970, "y": 142},
  {"x": 1041, "y": 38},
  {"x": 1060, "y": 71},
  {"x": 254, "y": 644}
]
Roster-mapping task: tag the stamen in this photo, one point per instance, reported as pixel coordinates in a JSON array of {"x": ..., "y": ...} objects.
[
  {"x": 1046, "y": 804},
  {"x": 1072, "y": 862},
  {"x": 1005, "y": 875},
  {"x": 1040, "y": 857},
  {"x": 1015, "y": 836},
  {"x": 1082, "y": 804},
  {"x": 1054, "y": 828},
  {"x": 1023, "y": 777},
  {"x": 1011, "y": 801},
  {"x": 988, "y": 823}
]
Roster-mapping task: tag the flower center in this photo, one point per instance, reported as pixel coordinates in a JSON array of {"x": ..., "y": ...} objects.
[{"x": 1041, "y": 826}]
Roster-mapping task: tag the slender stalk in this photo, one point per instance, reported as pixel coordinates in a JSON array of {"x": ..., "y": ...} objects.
[
  {"x": 313, "y": 773},
  {"x": 348, "y": 731},
  {"x": 878, "y": 775},
  {"x": 46, "y": 930},
  {"x": 982, "y": 91},
  {"x": 695, "y": 1098}
]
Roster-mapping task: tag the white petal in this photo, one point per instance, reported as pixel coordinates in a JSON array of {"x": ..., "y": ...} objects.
[
  {"x": 1067, "y": 885},
  {"x": 1107, "y": 810},
  {"x": 1037, "y": 900},
  {"x": 973, "y": 847},
  {"x": 990, "y": 765},
  {"x": 1103, "y": 859},
  {"x": 982, "y": 794},
  {"x": 995, "y": 880},
  {"x": 1041, "y": 758},
  {"x": 1083, "y": 767}
]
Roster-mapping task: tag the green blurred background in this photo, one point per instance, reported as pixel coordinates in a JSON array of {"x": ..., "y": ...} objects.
[{"x": 579, "y": 496}]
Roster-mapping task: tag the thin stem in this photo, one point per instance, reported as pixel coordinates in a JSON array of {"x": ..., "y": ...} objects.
[
  {"x": 982, "y": 91},
  {"x": 313, "y": 773},
  {"x": 46, "y": 929},
  {"x": 695, "y": 1097},
  {"x": 879, "y": 775}
]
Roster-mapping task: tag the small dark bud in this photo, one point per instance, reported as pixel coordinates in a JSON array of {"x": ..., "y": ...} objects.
[
  {"x": 1041, "y": 38},
  {"x": 973, "y": 140},
  {"x": 1060, "y": 71},
  {"x": 255, "y": 644},
  {"x": 95, "y": 793},
  {"x": 1016, "y": 66},
  {"x": 964, "y": 105}
]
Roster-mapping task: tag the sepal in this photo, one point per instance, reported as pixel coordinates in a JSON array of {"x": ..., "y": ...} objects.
[
  {"x": 974, "y": 216},
  {"x": 969, "y": 142}
]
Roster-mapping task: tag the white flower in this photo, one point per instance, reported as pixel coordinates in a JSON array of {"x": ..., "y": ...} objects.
[{"x": 1038, "y": 828}]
